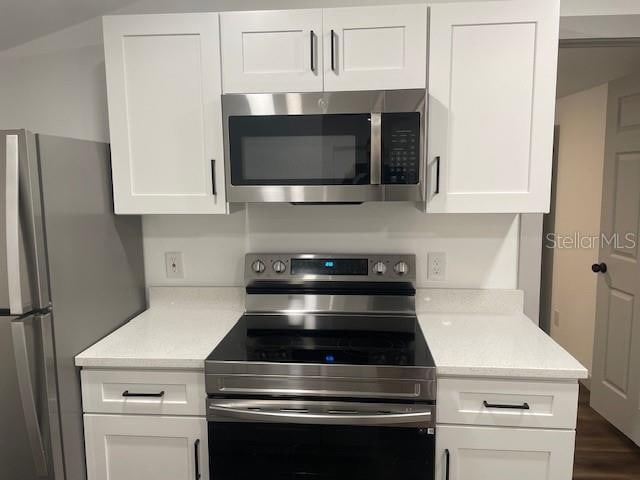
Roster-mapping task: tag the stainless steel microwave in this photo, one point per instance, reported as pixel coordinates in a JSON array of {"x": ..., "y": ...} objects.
[{"x": 342, "y": 147}]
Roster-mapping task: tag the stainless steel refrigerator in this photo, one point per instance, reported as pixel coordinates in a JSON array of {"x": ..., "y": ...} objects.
[{"x": 70, "y": 273}]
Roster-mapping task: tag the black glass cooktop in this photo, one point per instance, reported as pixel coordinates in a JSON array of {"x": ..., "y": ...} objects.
[{"x": 326, "y": 339}]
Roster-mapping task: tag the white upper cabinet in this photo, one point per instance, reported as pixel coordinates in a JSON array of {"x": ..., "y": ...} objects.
[
  {"x": 165, "y": 118},
  {"x": 492, "y": 78},
  {"x": 375, "y": 48},
  {"x": 272, "y": 51},
  {"x": 334, "y": 49}
]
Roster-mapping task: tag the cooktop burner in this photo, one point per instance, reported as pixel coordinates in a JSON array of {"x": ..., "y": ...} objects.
[
  {"x": 340, "y": 327},
  {"x": 326, "y": 339}
]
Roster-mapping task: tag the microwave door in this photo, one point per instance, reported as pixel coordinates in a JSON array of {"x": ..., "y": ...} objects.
[
  {"x": 23, "y": 277},
  {"x": 300, "y": 150}
]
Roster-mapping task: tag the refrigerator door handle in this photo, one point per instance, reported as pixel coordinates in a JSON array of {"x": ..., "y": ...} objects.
[
  {"x": 12, "y": 218},
  {"x": 27, "y": 394}
]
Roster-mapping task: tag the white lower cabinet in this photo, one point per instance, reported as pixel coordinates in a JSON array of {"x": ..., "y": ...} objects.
[
  {"x": 486, "y": 453},
  {"x": 133, "y": 447}
]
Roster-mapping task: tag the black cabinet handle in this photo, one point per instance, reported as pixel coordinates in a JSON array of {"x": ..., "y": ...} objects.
[
  {"x": 213, "y": 176},
  {"x": 127, "y": 393},
  {"x": 599, "y": 268},
  {"x": 524, "y": 406},
  {"x": 313, "y": 63},
  {"x": 196, "y": 458},
  {"x": 333, "y": 53},
  {"x": 447, "y": 457},
  {"x": 437, "y": 190}
]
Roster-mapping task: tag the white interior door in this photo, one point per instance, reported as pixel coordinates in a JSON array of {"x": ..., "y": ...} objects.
[
  {"x": 272, "y": 51},
  {"x": 165, "y": 113},
  {"x": 375, "y": 48},
  {"x": 492, "y": 78},
  {"x": 616, "y": 358},
  {"x": 130, "y": 447},
  {"x": 483, "y": 453}
]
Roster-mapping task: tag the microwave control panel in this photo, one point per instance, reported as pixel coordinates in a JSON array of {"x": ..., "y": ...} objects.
[{"x": 400, "y": 148}]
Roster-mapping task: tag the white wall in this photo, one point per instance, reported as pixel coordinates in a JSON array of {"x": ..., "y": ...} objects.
[
  {"x": 582, "y": 121},
  {"x": 599, "y": 7},
  {"x": 482, "y": 250},
  {"x": 530, "y": 262},
  {"x": 56, "y": 84},
  {"x": 584, "y": 68}
]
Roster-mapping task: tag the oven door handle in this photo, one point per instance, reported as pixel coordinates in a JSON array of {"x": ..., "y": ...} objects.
[{"x": 292, "y": 416}]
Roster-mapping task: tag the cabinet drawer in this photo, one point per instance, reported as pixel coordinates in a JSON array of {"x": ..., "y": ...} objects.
[
  {"x": 143, "y": 392},
  {"x": 513, "y": 403}
]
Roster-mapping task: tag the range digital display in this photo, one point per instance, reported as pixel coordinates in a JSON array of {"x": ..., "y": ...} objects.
[{"x": 329, "y": 266}]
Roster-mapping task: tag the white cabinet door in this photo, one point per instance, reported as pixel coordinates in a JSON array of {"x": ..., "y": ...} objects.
[
  {"x": 165, "y": 116},
  {"x": 375, "y": 48},
  {"x": 128, "y": 447},
  {"x": 492, "y": 78},
  {"x": 481, "y": 453},
  {"x": 272, "y": 51}
]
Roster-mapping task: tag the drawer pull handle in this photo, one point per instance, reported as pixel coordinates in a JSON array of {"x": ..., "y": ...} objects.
[
  {"x": 524, "y": 406},
  {"x": 127, "y": 393}
]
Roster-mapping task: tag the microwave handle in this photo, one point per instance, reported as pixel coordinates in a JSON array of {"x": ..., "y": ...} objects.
[{"x": 376, "y": 148}]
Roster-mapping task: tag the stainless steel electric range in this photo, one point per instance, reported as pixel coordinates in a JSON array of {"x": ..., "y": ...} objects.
[{"x": 327, "y": 375}]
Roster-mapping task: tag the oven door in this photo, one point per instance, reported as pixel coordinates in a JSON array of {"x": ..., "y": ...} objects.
[{"x": 273, "y": 439}]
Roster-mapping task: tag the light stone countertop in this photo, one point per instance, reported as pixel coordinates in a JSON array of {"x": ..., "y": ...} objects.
[
  {"x": 495, "y": 345},
  {"x": 179, "y": 330},
  {"x": 486, "y": 335}
]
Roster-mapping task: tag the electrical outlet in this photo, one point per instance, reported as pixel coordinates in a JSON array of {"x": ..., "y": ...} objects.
[
  {"x": 173, "y": 265},
  {"x": 556, "y": 318},
  {"x": 437, "y": 266}
]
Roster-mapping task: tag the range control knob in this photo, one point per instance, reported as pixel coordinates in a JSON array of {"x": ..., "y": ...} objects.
[
  {"x": 258, "y": 266},
  {"x": 279, "y": 266},
  {"x": 401, "y": 268},
  {"x": 379, "y": 268}
]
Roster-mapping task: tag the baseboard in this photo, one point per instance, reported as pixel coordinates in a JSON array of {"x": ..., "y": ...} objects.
[{"x": 586, "y": 383}]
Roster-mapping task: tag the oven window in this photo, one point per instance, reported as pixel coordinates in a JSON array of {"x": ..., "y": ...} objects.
[
  {"x": 300, "y": 149},
  {"x": 272, "y": 451}
]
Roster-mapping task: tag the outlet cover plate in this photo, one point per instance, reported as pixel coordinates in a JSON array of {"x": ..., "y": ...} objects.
[
  {"x": 437, "y": 266},
  {"x": 174, "y": 267}
]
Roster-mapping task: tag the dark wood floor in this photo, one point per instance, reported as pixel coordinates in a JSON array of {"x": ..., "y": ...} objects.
[{"x": 602, "y": 452}]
